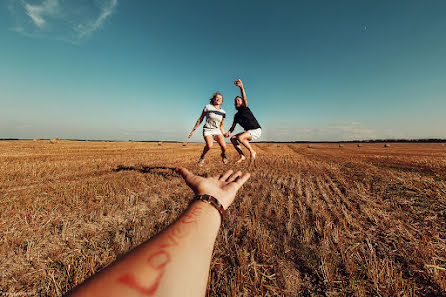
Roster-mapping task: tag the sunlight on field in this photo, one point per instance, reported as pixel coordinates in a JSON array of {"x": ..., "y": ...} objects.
[{"x": 319, "y": 220}]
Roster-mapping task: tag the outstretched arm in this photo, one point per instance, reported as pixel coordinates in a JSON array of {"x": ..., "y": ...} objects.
[
  {"x": 176, "y": 261},
  {"x": 239, "y": 84},
  {"x": 230, "y": 130},
  {"x": 222, "y": 128},
  {"x": 200, "y": 119}
]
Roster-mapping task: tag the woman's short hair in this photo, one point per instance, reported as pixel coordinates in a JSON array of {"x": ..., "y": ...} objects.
[{"x": 212, "y": 99}]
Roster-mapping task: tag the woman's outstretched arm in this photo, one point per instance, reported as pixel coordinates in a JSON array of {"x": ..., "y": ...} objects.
[
  {"x": 200, "y": 119},
  {"x": 176, "y": 261},
  {"x": 222, "y": 128}
]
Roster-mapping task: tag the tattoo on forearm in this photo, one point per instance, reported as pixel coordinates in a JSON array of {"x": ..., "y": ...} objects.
[{"x": 159, "y": 259}]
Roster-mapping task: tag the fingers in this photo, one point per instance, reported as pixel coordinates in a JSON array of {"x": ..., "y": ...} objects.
[
  {"x": 237, "y": 177},
  {"x": 234, "y": 176},
  {"x": 242, "y": 179},
  {"x": 225, "y": 176},
  {"x": 186, "y": 174}
]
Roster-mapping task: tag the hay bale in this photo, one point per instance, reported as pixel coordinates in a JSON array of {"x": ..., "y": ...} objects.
[
  {"x": 310, "y": 146},
  {"x": 386, "y": 145},
  {"x": 442, "y": 144},
  {"x": 184, "y": 143},
  {"x": 278, "y": 145},
  {"x": 54, "y": 140},
  {"x": 341, "y": 145},
  {"x": 359, "y": 145},
  {"x": 160, "y": 143},
  {"x": 36, "y": 140}
]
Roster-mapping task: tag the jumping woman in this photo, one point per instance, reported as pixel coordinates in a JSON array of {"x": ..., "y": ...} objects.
[
  {"x": 213, "y": 128},
  {"x": 246, "y": 119}
]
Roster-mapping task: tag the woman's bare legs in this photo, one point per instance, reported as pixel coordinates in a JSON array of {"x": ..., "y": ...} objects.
[
  {"x": 221, "y": 141},
  {"x": 206, "y": 149}
]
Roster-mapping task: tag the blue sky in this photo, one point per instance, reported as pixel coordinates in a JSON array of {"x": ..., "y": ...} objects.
[{"x": 142, "y": 70}]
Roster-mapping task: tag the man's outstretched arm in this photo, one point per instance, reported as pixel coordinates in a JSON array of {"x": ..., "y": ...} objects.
[
  {"x": 227, "y": 134},
  {"x": 176, "y": 261},
  {"x": 239, "y": 84}
]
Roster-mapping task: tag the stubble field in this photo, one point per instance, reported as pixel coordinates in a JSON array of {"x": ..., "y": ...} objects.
[{"x": 320, "y": 221}]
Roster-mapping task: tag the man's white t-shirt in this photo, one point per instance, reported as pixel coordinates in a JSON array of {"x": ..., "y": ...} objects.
[{"x": 214, "y": 117}]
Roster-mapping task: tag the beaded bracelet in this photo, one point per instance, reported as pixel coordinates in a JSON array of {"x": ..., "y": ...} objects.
[{"x": 212, "y": 201}]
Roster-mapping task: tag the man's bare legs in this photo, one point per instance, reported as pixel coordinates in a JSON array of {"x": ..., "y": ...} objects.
[
  {"x": 238, "y": 149},
  {"x": 243, "y": 138},
  {"x": 221, "y": 141}
]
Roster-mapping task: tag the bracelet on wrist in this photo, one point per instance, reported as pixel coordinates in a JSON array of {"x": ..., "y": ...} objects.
[{"x": 212, "y": 201}]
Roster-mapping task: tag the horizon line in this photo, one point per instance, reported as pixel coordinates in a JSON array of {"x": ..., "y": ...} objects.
[{"x": 431, "y": 140}]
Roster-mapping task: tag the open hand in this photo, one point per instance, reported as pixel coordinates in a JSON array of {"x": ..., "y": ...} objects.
[{"x": 223, "y": 187}]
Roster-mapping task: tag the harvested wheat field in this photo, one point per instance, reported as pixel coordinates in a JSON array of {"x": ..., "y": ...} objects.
[{"x": 311, "y": 221}]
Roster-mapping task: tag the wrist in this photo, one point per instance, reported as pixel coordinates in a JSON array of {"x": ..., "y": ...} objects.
[
  {"x": 206, "y": 210},
  {"x": 213, "y": 200}
]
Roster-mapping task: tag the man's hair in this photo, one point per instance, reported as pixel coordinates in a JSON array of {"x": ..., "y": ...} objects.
[{"x": 212, "y": 99}]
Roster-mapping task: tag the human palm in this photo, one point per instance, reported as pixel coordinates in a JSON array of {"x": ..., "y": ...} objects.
[{"x": 223, "y": 187}]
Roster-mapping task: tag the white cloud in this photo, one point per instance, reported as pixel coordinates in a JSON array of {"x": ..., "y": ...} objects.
[
  {"x": 34, "y": 15},
  {"x": 86, "y": 30},
  {"x": 37, "y": 12},
  {"x": 68, "y": 20}
]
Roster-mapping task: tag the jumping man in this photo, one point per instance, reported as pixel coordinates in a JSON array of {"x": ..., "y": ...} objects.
[{"x": 246, "y": 119}]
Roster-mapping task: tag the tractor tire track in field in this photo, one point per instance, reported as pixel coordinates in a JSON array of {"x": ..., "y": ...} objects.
[
  {"x": 329, "y": 203},
  {"x": 58, "y": 181},
  {"x": 88, "y": 176}
]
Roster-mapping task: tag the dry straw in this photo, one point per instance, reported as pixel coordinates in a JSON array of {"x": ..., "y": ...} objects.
[{"x": 307, "y": 223}]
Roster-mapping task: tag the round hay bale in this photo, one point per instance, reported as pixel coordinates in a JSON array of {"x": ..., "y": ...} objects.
[
  {"x": 341, "y": 145},
  {"x": 278, "y": 145},
  {"x": 54, "y": 140},
  {"x": 386, "y": 145},
  {"x": 442, "y": 144},
  {"x": 184, "y": 143},
  {"x": 310, "y": 146},
  {"x": 160, "y": 143},
  {"x": 359, "y": 145},
  {"x": 36, "y": 140}
]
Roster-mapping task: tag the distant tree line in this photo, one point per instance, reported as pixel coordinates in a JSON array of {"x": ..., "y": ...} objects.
[
  {"x": 432, "y": 140},
  {"x": 425, "y": 140}
]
